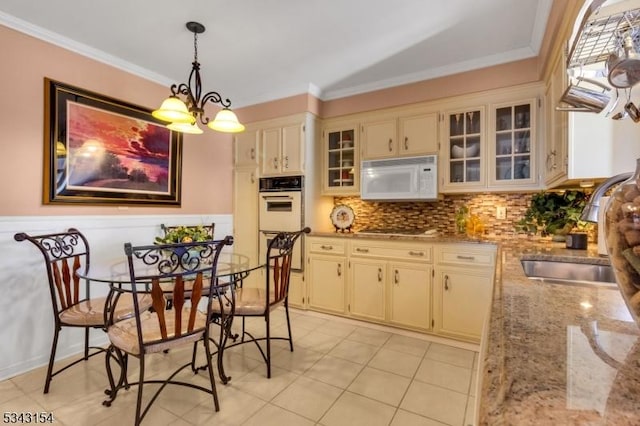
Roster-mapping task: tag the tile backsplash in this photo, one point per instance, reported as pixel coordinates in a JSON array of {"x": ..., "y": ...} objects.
[{"x": 440, "y": 214}]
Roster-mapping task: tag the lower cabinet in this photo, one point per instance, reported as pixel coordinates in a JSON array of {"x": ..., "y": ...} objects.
[
  {"x": 441, "y": 288},
  {"x": 296, "y": 290},
  {"x": 465, "y": 274},
  {"x": 326, "y": 271},
  {"x": 367, "y": 290},
  {"x": 410, "y": 295}
]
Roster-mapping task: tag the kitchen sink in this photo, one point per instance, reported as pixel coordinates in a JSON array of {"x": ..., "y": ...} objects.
[{"x": 569, "y": 272}]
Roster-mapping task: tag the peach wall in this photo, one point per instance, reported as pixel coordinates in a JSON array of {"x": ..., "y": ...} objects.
[
  {"x": 279, "y": 108},
  {"x": 207, "y": 158}
]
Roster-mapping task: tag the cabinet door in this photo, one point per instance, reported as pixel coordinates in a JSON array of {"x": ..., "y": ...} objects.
[
  {"x": 555, "y": 160},
  {"x": 327, "y": 283},
  {"x": 246, "y": 148},
  {"x": 366, "y": 298},
  {"x": 462, "y": 299},
  {"x": 419, "y": 135},
  {"x": 292, "y": 150},
  {"x": 512, "y": 145},
  {"x": 379, "y": 139},
  {"x": 271, "y": 154},
  {"x": 341, "y": 164},
  {"x": 410, "y": 295},
  {"x": 297, "y": 291},
  {"x": 463, "y": 149},
  {"x": 245, "y": 217}
]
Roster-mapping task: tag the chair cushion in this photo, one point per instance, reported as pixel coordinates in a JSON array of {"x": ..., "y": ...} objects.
[
  {"x": 249, "y": 301},
  {"x": 91, "y": 312},
  {"x": 124, "y": 335}
]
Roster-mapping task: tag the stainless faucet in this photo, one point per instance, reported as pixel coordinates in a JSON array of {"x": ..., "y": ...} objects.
[{"x": 590, "y": 211}]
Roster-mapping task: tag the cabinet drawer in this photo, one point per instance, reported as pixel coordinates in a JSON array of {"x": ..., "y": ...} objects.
[
  {"x": 327, "y": 246},
  {"x": 466, "y": 256},
  {"x": 393, "y": 250}
]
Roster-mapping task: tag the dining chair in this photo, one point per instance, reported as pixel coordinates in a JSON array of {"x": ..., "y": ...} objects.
[
  {"x": 152, "y": 332},
  {"x": 65, "y": 254},
  {"x": 260, "y": 302}
]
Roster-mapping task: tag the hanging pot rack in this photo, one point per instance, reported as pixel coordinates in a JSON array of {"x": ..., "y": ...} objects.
[{"x": 600, "y": 31}]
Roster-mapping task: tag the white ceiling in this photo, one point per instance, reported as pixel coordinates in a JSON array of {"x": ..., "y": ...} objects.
[{"x": 259, "y": 50}]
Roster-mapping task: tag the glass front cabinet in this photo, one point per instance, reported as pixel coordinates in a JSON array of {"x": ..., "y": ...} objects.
[
  {"x": 512, "y": 144},
  {"x": 341, "y": 172},
  {"x": 464, "y": 147}
]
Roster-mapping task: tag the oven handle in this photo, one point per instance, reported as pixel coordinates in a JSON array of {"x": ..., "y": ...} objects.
[{"x": 277, "y": 197}]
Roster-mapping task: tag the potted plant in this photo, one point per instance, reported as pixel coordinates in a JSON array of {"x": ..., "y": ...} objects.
[
  {"x": 183, "y": 234},
  {"x": 553, "y": 213}
]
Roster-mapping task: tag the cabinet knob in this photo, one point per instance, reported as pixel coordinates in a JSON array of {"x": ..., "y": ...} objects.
[
  {"x": 362, "y": 250},
  {"x": 253, "y": 178},
  {"x": 275, "y": 162},
  {"x": 390, "y": 145},
  {"x": 286, "y": 162},
  {"x": 416, "y": 253},
  {"x": 396, "y": 277},
  {"x": 446, "y": 282},
  {"x": 406, "y": 142},
  {"x": 252, "y": 154},
  {"x": 339, "y": 269},
  {"x": 379, "y": 275},
  {"x": 323, "y": 247}
]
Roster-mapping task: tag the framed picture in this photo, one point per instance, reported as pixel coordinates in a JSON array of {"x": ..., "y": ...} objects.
[{"x": 99, "y": 150}]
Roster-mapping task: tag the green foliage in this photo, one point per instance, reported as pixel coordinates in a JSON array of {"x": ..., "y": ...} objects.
[
  {"x": 553, "y": 213},
  {"x": 462, "y": 214},
  {"x": 184, "y": 234}
]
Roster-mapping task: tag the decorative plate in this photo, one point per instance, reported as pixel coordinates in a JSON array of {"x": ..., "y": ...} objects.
[{"x": 342, "y": 217}]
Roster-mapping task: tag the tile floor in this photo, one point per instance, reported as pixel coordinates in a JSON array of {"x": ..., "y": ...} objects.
[{"x": 342, "y": 372}]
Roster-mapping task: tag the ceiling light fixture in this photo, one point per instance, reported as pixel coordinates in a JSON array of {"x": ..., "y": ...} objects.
[{"x": 183, "y": 115}]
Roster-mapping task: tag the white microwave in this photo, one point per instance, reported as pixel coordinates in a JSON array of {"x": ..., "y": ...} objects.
[{"x": 411, "y": 178}]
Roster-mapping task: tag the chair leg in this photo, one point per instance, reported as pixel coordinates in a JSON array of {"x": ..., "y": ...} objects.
[
  {"x": 214, "y": 392},
  {"x": 268, "y": 346},
  {"x": 86, "y": 343},
  {"x": 140, "y": 385},
  {"x": 286, "y": 311},
  {"x": 52, "y": 358}
]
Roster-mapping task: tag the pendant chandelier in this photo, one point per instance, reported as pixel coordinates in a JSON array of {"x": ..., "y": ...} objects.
[{"x": 183, "y": 115}]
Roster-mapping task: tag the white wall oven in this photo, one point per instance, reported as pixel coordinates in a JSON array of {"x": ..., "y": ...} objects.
[{"x": 281, "y": 209}]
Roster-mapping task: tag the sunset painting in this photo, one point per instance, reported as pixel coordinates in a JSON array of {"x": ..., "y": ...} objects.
[{"x": 110, "y": 151}]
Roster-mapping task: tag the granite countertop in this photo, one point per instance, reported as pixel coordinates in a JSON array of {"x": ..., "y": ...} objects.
[
  {"x": 433, "y": 238},
  {"x": 557, "y": 353}
]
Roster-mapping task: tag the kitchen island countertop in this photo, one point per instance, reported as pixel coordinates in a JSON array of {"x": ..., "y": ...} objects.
[{"x": 557, "y": 353}]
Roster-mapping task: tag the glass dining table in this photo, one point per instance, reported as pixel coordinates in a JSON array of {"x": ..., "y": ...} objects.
[{"x": 232, "y": 268}]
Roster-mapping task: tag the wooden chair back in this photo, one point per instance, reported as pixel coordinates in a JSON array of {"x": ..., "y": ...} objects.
[
  {"x": 278, "y": 265},
  {"x": 152, "y": 267},
  {"x": 64, "y": 253}
]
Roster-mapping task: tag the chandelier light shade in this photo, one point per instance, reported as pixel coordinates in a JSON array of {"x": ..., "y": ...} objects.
[{"x": 185, "y": 107}]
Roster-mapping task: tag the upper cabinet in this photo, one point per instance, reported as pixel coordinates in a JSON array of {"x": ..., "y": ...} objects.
[
  {"x": 489, "y": 141},
  {"x": 463, "y": 150},
  {"x": 512, "y": 130},
  {"x": 341, "y": 163},
  {"x": 554, "y": 165},
  {"x": 283, "y": 150},
  {"x": 246, "y": 148},
  {"x": 400, "y": 135}
]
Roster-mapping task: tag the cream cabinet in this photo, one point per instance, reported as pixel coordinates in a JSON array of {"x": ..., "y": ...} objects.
[
  {"x": 283, "y": 150},
  {"x": 367, "y": 288},
  {"x": 463, "y": 149},
  {"x": 297, "y": 296},
  {"x": 464, "y": 277},
  {"x": 513, "y": 129},
  {"x": 341, "y": 160},
  {"x": 404, "y": 136},
  {"x": 246, "y": 148},
  {"x": 410, "y": 295},
  {"x": 245, "y": 217},
  {"x": 327, "y": 272},
  {"x": 390, "y": 282},
  {"x": 555, "y": 158}
]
